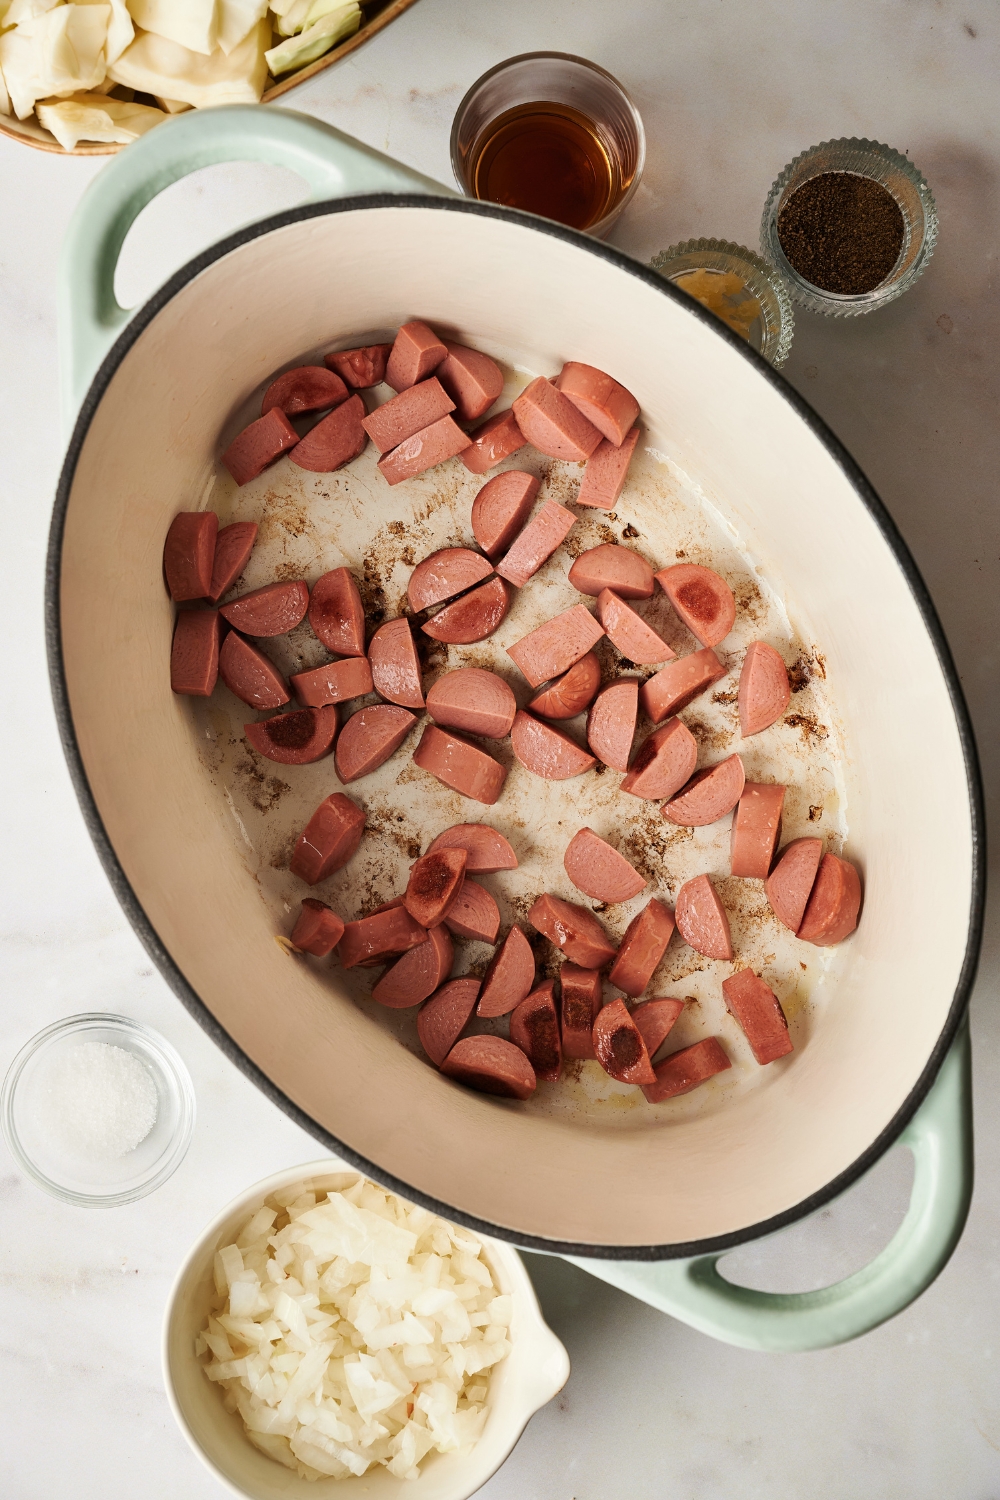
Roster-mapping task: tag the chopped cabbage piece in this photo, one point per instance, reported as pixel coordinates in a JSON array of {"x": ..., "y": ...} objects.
[
  {"x": 293, "y": 17},
  {"x": 300, "y": 50},
  {"x": 190, "y": 23},
  {"x": 95, "y": 117},
  {"x": 59, "y": 53},
  {"x": 157, "y": 66},
  {"x": 236, "y": 17}
]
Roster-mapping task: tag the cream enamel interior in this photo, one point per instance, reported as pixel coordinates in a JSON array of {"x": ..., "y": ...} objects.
[{"x": 151, "y": 449}]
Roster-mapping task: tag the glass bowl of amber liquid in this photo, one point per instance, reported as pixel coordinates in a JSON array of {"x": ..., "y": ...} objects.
[{"x": 738, "y": 287}]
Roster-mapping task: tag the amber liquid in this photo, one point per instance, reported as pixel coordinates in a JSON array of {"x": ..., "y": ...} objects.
[{"x": 548, "y": 160}]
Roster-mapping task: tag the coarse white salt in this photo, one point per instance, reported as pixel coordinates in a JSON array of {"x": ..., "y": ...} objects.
[{"x": 102, "y": 1100}]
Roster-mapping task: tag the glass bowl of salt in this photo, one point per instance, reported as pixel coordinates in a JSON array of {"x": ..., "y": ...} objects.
[{"x": 98, "y": 1110}]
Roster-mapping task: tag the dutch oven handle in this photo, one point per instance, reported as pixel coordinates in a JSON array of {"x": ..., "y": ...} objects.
[
  {"x": 334, "y": 165},
  {"x": 940, "y": 1137}
]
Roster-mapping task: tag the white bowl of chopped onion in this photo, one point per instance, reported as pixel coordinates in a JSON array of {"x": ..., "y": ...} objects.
[{"x": 324, "y": 1336}]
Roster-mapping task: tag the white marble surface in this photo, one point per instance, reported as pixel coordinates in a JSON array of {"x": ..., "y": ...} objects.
[{"x": 728, "y": 94}]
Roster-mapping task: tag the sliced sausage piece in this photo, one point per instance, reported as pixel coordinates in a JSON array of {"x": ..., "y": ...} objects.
[
  {"x": 473, "y": 617},
  {"x": 619, "y": 1046},
  {"x": 295, "y": 739},
  {"x": 318, "y": 929},
  {"x": 764, "y": 688},
  {"x": 249, "y": 674},
  {"x": 194, "y": 653},
  {"x": 536, "y": 544},
  {"x": 334, "y": 441},
  {"x": 419, "y": 972},
  {"x": 551, "y": 422},
  {"x": 329, "y": 839},
  {"x": 435, "y": 881},
  {"x": 189, "y": 554},
  {"x": 473, "y": 914},
  {"x": 709, "y": 795},
  {"x": 834, "y": 903},
  {"x": 609, "y": 566},
  {"x": 336, "y": 613},
  {"x": 581, "y": 1000},
  {"x": 666, "y": 759},
  {"x": 756, "y": 830},
  {"x": 492, "y": 1066},
  {"x": 395, "y": 666},
  {"x": 629, "y": 632},
  {"x": 233, "y": 547},
  {"x": 460, "y": 765},
  {"x": 609, "y": 406},
  {"x": 360, "y": 368},
  {"x": 487, "y": 850},
  {"x": 555, "y": 646},
  {"x": 415, "y": 354},
  {"x": 337, "y": 682},
  {"x": 683, "y": 1071},
  {"x": 655, "y": 1019},
  {"x": 677, "y": 684},
  {"x": 382, "y": 935},
  {"x": 474, "y": 700},
  {"x": 501, "y": 509},
  {"x": 510, "y": 976},
  {"x": 611, "y": 722},
  {"x": 574, "y": 930},
  {"x": 702, "y": 599},
  {"x": 569, "y": 694},
  {"x": 701, "y": 919},
  {"x": 790, "y": 883},
  {"x": 605, "y": 473},
  {"x": 399, "y": 418},
  {"x": 369, "y": 737},
  {"x": 534, "y": 1027},
  {"x": 599, "y": 871},
  {"x": 546, "y": 751},
  {"x": 642, "y": 948},
  {"x": 441, "y": 1020},
  {"x": 760, "y": 1016},
  {"x": 259, "y": 445},
  {"x": 471, "y": 378},
  {"x": 273, "y": 610},
  {"x": 430, "y": 446},
  {"x": 445, "y": 573},
  {"x": 307, "y": 388},
  {"x": 496, "y": 439}
]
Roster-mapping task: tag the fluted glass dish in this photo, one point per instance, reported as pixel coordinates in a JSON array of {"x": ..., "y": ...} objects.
[{"x": 772, "y": 330}]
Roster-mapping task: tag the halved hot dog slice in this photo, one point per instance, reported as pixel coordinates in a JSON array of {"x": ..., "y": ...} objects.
[
  {"x": 295, "y": 739},
  {"x": 420, "y": 971},
  {"x": 654, "y": 1020},
  {"x": 360, "y": 368},
  {"x": 642, "y": 948},
  {"x": 337, "y": 682},
  {"x": 598, "y": 870},
  {"x": 536, "y": 543},
  {"x": 534, "y": 1027},
  {"x": 759, "y": 1013},
  {"x": 834, "y": 903},
  {"x": 605, "y": 473},
  {"x": 189, "y": 554},
  {"x": 619, "y": 1046},
  {"x": 555, "y": 646},
  {"x": 460, "y": 765},
  {"x": 764, "y": 688},
  {"x": 756, "y": 829},
  {"x": 702, "y": 599},
  {"x": 628, "y": 575},
  {"x": 474, "y": 700},
  {"x": 491, "y": 1065},
  {"x": 259, "y": 445},
  {"x": 273, "y": 610},
  {"x": 629, "y": 632},
  {"x": 611, "y": 722},
  {"x": 395, "y": 666},
  {"x": 415, "y": 354},
  {"x": 547, "y": 751},
  {"x": 789, "y": 885},
  {"x": 574, "y": 930},
  {"x": 306, "y": 388},
  {"x": 328, "y": 840},
  {"x": 609, "y": 406},
  {"x": 233, "y": 547},
  {"x": 683, "y": 1071},
  {"x": 473, "y": 914},
  {"x": 487, "y": 850},
  {"x": 501, "y": 509},
  {"x": 336, "y": 613},
  {"x": 445, "y": 573},
  {"x": 665, "y": 761},
  {"x": 318, "y": 929},
  {"x": 581, "y": 1000},
  {"x": 701, "y": 919},
  {"x": 382, "y": 935},
  {"x": 473, "y": 617},
  {"x": 496, "y": 439},
  {"x": 434, "y": 882},
  {"x": 678, "y": 683},
  {"x": 409, "y": 412},
  {"x": 194, "y": 652},
  {"x": 334, "y": 441},
  {"x": 250, "y": 675},
  {"x": 709, "y": 795},
  {"x": 369, "y": 737},
  {"x": 510, "y": 976},
  {"x": 471, "y": 378},
  {"x": 569, "y": 694},
  {"x": 430, "y": 446},
  {"x": 553, "y": 424},
  {"x": 441, "y": 1020}
]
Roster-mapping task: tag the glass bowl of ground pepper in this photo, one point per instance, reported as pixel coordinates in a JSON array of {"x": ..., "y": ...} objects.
[
  {"x": 739, "y": 287},
  {"x": 850, "y": 225}
]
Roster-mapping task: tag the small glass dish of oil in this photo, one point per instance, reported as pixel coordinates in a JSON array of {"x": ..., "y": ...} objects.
[{"x": 739, "y": 287}]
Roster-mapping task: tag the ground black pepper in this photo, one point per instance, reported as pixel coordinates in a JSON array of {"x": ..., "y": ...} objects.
[{"x": 842, "y": 232}]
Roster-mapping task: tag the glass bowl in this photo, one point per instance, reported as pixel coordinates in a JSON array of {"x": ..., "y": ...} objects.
[
  {"x": 77, "y": 1178},
  {"x": 771, "y": 332},
  {"x": 900, "y": 177}
]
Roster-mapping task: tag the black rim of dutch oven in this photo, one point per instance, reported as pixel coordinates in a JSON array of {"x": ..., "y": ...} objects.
[{"x": 147, "y": 934}]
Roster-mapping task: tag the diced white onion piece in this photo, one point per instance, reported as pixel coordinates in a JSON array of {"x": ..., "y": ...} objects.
[{"x": 297, "y": 51}]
